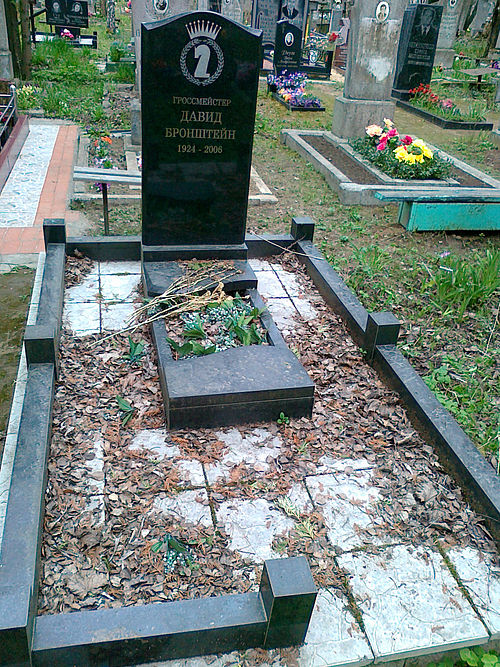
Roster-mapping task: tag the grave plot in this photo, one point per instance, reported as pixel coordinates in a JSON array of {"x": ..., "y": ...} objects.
[{"x": 136, "y": 514}]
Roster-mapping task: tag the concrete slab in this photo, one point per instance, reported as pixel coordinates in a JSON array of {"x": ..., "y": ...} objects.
[
  {"x": 115, "y": 317},
  {"x": 119, "y": 287},
  {"x": 85, "y": 292},
  {"x": 283, "y": 313},
  {"x": 82, "y": 319},
  {"x": 481, "y": 577},
  {"x": 347, "y": 501},
  {"x": 119, "y": 268},
  {"x": 269, "y": 284},
  {"x": 252, "y": 526},
  {"x": 189, "y": 506},
  {"x": 410, "y": 603},
  {"x": 333, "y": 638}
]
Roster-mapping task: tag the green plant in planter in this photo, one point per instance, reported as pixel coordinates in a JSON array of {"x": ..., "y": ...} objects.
[
  {"x": 117, "y": 51},
  {"x": 194, "y": 330}
]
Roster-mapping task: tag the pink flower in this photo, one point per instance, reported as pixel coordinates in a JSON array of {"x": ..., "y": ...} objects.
[
  {"x": 407, "y": 140},
  {"x": 392, "y": 133},
  {"x": 382, "y": 144}
]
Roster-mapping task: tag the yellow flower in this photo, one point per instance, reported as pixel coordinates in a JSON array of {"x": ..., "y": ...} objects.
[
  {"x": 419, "y": 158},
  {"x": 401, "y": 153},
  {"x": 374, "y": 130},
  {"x": 427, "y": 152},
  {"x": 418, "y": 143},
  {"x": 388, "y": 122},
  {"x": 411, "y": 159}
]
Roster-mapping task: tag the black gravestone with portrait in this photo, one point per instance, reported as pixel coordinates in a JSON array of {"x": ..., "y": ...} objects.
[
  {"x": 67, "y": 13},
  {"x": 287, "y": 50},
  {"x": 199, "y": 91},
  {"x": 417, "y": 48}
]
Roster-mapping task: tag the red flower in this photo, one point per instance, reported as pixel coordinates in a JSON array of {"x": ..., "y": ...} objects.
[
  {"x": 406, "y": 140},
  {"x": 333, "y": 37}
]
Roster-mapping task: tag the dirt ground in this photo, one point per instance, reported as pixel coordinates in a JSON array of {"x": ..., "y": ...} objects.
[{"x": 15, "y": 291}]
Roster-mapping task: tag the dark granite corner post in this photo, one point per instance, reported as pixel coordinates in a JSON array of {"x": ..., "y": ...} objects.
[
  {"x": 20, "y": 552},
  {"x": 288, "y": 593},
  {"x": 302, "y": 228},
  {"x": 381, "y": 329},
  {"x": 40, "y": 342},
  {"x": 54, "y": 231}
]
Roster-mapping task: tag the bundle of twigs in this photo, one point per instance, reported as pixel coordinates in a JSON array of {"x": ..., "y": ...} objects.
[{"x": 190, "y": 292}]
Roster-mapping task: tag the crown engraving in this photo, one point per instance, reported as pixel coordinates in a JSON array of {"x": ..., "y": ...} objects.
[{"x": 203, "y": 29}]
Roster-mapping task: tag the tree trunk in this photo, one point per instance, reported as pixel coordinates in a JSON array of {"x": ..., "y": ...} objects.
[
  {"x": 111, "y": 16},
  {"x": 25, "y": 40},
  {"x": 13, "y": 32},
  {"x": 494, "y": 28}
]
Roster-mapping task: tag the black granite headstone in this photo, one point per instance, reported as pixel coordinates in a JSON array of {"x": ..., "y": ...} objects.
[
  {"x": 287, "y": 50},
  {"x": 199, "y": 90},
  {"x": 67, "y": 13},
  {"x": 417, "y": 47},
  {"x": 265, "y": 17}
]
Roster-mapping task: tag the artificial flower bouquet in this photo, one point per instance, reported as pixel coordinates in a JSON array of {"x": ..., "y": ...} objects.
[
  {"x": 424, "y": 98},
  {"x": 291, "y": 87},
  {"x": 400, "y": 156}
]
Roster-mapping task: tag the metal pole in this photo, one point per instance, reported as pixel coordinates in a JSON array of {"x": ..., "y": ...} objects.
[{"x": 105, "y": 208}]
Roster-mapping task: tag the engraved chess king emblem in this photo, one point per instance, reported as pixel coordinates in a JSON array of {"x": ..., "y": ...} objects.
[{"x": 202, "y": 59}]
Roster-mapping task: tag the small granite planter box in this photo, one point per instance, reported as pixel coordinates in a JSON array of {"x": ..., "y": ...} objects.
[
  {"x": 114, "y": 66},
  {"x": 444, "y": 122},
  {"x": 234, "y": 386},
  {"x": 294, "y": 107},
  {"x": 357, "y": 181}
]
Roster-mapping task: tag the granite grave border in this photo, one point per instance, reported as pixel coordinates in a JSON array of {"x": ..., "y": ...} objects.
[
  {"x": 138, "y": 633},
  {"x": 445, "y": 123},
  {"x": 352, "y": 193}
]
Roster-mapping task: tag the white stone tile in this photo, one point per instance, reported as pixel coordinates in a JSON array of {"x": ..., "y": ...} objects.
[
  {"x": 82, "y": 319},
  {"x": 95, "y": 480},
  {"x": 307, "y": 311},
  {"x": 254, "y": 448},
  {"x": 116, "y": 316},
  {"x": 299, "y": 498},
  {"x": 157, "y": 442},
  {"x": 227, "y": 660},
  {"x": 288, "y": 280},
  {"x": 283, "y": 313},
  {"x": 481, "y": 577},
  {"x": 252, "y": 526},
  {"x": 85, "y": 292},
  {"x": 333, "y": 637},
  {"x": 119, "y": 287},
  {"x": 347, "y": 501},
  {"x": 327, "y": 464},
  {"x": 119, "y": 268},
  {"x": 410, "y": 603},
  {"x": 269, "y": 285},
  {"x": 260, "y": 265},
  {"x": 21, "y": 193},
  {"x": 189, "y": 506}
]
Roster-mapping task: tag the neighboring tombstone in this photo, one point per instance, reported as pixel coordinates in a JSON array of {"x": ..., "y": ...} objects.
[
  {"x": 146, "y": 11},
  {"x": 373, "y": 38},
  {"x": 417, "y": 48},
  {"x": 6, "y": 69},
  {"x": 264, "y": 17},
  {"x": 294, "y": 11},
  {"x": 67, "y": 13},
  {"x": 335, "y": 20},
  {"x": 445, "y": 54},
  {"x": 200, "y": 75},
  {"x": 288, "y": 47},
  {"x": 231, "y": 9},
  {"x": 483, "y": 13}
]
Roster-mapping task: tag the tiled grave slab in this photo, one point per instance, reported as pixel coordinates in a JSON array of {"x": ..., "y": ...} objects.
[
  {"x": 269, "y": 285},
  {"x": 189, "y": 506},
  {"x": 119, "y": 287},
  {"x": 410, "y": 603},
  {"x": 333, "y": 637},
  {"x": 116, "y": 316},
  {"x": 252, "y": 526},
  {"x": 119, "y": 268},
  {"x": 156, "y": 441},
  {"x": 253, "y": 449},
  {"x": 481, "y": 577},
  {"x": 82, "y": 318},
  {"x": 85, "y": 292},
  {"x": 283, "y": 312},
  {"x": 347, "y": 501}
]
